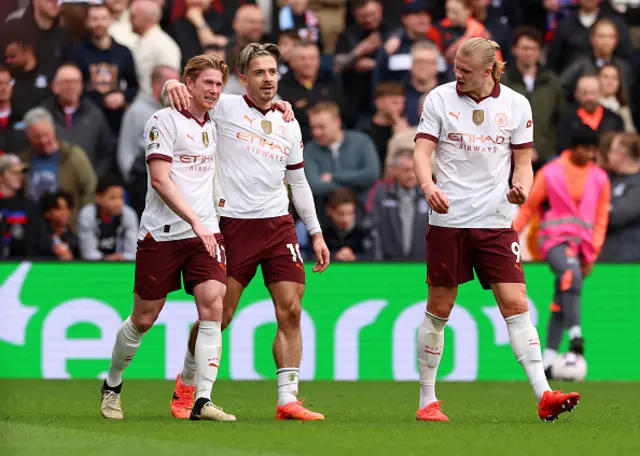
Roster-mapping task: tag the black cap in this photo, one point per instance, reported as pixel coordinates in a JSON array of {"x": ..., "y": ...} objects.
[
  {"x": 416, "y": 6},
  {"x": 584, "y": 136}
]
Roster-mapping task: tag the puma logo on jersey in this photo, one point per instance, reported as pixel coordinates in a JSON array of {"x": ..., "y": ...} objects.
[
  {"x": 457, "y": 116},
  {"x": 191, "y": 136},
  {"x": 250, "y": 119}
]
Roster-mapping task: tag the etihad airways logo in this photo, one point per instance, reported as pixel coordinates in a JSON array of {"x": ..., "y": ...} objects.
[
  {"x": 199, "y": 163},
  {"x": 263, "y": 147},
  {"x": 476, "y": 143},
  {"x": 476, "y": 139}
]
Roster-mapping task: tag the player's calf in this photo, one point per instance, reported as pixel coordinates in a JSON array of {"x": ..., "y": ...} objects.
[
  {"x": 525, "y": 344},
  {"x": 208, "y": 347}
]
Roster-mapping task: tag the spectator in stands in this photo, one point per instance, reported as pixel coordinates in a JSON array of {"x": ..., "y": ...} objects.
[
  {"x": 347, "y": 235},
  {"x": 356, "y": 53},
  {"x": 120, "y": 28},
  {"x": 109, "y": 74},
  {"x": 215, "y": 50},
  {"x": 73, "y": 16},
  {"x": 79, "y": 121},
  {"x": 286, "y": 42},
  {"x": 248, "y": 27},
  {"x": 331, "y": 15},
  {"x": 604, "y": 39},
  {"x": 40, "y": 20},
  {"x": 155, "y": 46},
  {"x": 541, "y": 87},
  {"x": 55, "y": 164},
  {"x": 400, "y": 213},
  {"x": 613, "y": 97},
  {"x": 404, "y": 139},
  {"x": 623, "y": 235},
  {"x": 30, "y": 79},
  {"x": 499, "y": 19},
  {"x": 59, "y": 239},
  {"x": 394, "y": 60},
  {"x": 108, "y": 228},
  {"x": 571, "y": 38},
  {"x": 423, "y": 77},
  {"x": 200, "y": 26},
  {"x": 545, "y": 15},
  {"x": 12, "y": 136},
  {"x": 458, "y": 26},
  {"x": 131, "y": 143},
  {"x": 589, "y": 112},
  {"x": 296, "y": 15},
  {"x": 337, "y": 158},
  {"x": 303, "y": 88},
  {"x": 388, "y": 119},
  {"x": 20, "y": 218}
]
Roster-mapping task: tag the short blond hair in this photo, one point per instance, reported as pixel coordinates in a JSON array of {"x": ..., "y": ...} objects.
[
  {"x": 486, "y": 51},
  {"x": 254, "y": 50},
  {"x": 199, "y": 63},
  {"x": 325, "y": 106}
]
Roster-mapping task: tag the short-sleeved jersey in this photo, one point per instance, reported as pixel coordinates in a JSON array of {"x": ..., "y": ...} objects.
[
  {"x": 474, "y": 140},
  {"x": 190, "y": 147},
  {"x": 255, "y": 148}
]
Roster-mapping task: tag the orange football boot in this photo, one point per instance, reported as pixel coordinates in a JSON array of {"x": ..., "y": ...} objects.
[
  {"x": 182, "y": 400},
  {"x": 431, "y": 412},
  {"x": 295, "y": 411},
  {"x": 553, "y": 403}
]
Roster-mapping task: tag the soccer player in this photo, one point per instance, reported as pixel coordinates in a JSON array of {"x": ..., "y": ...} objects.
[
  {"x": 179, "y": 236},
  {"x": 571, "y": 196},
  {"x": 257, "y": 151},
  {"x": 474, "y": 125}
]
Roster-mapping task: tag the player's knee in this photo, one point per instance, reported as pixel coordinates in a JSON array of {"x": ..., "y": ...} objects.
[
  {"x": 514, "y": 302},
  {"x": 210, "y": 309},
  {"x": 144, "y": 320},
  {"x": 209, "y": 298},
  {"x": 289, "y": 315},
  {"x": 440, "y": 306}
]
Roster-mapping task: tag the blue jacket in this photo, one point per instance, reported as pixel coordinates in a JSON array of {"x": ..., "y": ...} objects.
[{"x": 105, "y": 71}]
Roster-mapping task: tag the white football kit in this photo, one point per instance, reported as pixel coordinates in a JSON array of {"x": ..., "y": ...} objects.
[
  {"x": 474, "y": 140},
  {"x": 190, "y": 147},
  {"x": 257, "y": 149}
]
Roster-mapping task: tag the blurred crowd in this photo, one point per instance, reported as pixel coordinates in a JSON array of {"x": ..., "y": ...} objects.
[{"x": 81, "y": 78}]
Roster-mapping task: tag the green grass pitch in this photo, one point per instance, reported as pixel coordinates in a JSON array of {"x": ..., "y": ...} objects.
[{"x": 44, "y": 417}]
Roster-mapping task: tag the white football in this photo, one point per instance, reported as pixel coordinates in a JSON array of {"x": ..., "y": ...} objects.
[{"x": 569, "y": 367}]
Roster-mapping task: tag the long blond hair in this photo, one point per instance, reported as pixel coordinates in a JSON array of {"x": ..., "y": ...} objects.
[{"x": 485, "y": 50}]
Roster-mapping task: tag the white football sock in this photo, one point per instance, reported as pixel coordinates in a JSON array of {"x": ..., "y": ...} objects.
[
  {"x": 525, "y": 344},
  {"x": 549, "y": 355},
  {"x": 207, "y": 356},
  {"x": 288, "y": 384},
  {"x": 430, "y": 346},
  {"x": 188, "y": 374},
  {"x": 128, "y": 340},
  {"x": 575, "y": 332}
]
